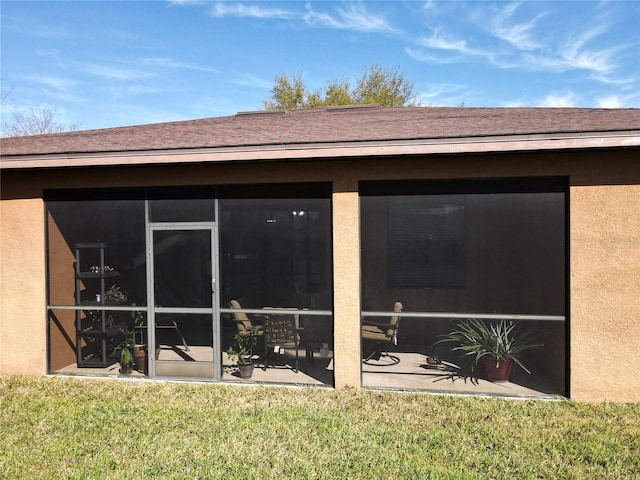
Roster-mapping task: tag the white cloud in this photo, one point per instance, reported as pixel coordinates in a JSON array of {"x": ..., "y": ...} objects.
[
  {"x": 576, "y": 54},
  {"x": 122, "y": 92},
  {"x": 518, "y": 34},
  {"x": 51, "y": 81},
  {"x": 353, "y": 17},
  {"x": 171, "y": 63},
  {"x": 438, "y": 42},
  {"x": 66, "y": 96},
  {"x": 528, "y": 41},
  {"x": 446, "y": 49},
  {"x": 610, "y": 101},
  {"x": 54, "y": 86},
  {"x": 615, "y": 100},
  {"x": 425, "y": 57},
  {"x": 441, "y": 94},
  {"x": 249, "y": 80},
  {"x": 113, "y": 72},
  {"x": 628, "y": 82},
  {"x": 243, "y": 10},
  {"x": 553, "y": 100},
  {"x": 434, "y": 90},
  {"x": 32, "y": 26},
  {"x": 51, "y": 54},
  {"x": 542, "y": 62},
  {"x": 180, "y": 3},
  {"x": 599, "y": 62}
]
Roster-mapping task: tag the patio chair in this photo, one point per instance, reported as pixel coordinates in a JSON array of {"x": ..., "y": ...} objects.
[
  {"x": 381, "y": 334},
  {"x": 281, "y": 330},
  {"x": 172, "y": 324},
  {"x": 243, "y": 322}
]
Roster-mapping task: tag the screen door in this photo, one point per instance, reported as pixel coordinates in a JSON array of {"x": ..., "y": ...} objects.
[{"x": 182, "y": 336}]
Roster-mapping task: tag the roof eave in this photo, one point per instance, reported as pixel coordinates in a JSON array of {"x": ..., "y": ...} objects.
[{"x": 289, "y": 152}]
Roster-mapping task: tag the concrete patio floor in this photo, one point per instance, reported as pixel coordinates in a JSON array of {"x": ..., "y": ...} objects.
[{"x": 411, "y": 373}]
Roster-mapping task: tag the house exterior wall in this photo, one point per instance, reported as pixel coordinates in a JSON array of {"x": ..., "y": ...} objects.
[
  {"x": 23, "y": 333},
  {"x": 603, "y": 251},
  {"x": 605, "y": 292},
  {"x": 346, "y": 286}
]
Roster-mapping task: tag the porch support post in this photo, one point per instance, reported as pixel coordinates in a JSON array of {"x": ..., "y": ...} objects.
[
  {"x": 346, "y": 283},
  {"x": 23, "y": 336},
  {"x": 605, "y": 293}
]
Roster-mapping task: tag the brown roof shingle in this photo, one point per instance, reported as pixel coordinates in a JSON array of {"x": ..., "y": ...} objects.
[{"x": 329, "y": 125}]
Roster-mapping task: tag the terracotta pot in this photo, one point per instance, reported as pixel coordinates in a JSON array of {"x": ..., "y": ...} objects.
[
  {"x": 501, "y": 373},
  {"x": 140, "y": 359}
]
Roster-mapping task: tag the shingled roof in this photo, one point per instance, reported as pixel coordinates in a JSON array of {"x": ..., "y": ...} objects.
[
  {"x": 339, "y": 128},
  {"x": 329, "y": 125}
]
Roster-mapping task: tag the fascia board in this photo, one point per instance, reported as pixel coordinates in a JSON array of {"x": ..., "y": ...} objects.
[{"x": 522, "y": 143}]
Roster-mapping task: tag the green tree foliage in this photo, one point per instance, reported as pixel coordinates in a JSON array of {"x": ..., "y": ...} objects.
[
  {"x": 288, "y": 94},
  {"x": 376, "y": 85}
]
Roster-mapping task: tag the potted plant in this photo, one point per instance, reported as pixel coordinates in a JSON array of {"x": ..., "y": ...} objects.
[
  {"x": 127, "y": 349},
  {"x": 492, "y": 346},
  {"x": 140, "y": 359},
  {"x": 242, "y": 351},
  {"x": 115, "y": 295},
  {"x": 140, "y": 330}
]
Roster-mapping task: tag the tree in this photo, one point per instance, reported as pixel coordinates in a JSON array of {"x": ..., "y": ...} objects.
[
  {"x": 376, "y": 85},
  {"x": 31, "y": 120},
  {"x": 287, "y": 94},
  {"x": 384, "y": 87}
]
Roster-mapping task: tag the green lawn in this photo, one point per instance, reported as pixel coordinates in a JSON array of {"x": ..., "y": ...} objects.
[{"x": 65, "y": 428}]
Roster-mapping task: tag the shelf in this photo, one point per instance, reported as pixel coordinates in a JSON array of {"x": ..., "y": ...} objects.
[
  {"x": 93, "y": 303},
  {"x": 111, "y": 274},
  {"x": 115, "y": 330},
  {"x": 91, "y": 245},
  {"x": 97, "y": 362},
  {"x": 94, "y": 341}
]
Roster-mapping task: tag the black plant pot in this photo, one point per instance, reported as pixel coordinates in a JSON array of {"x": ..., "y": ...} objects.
[{"x": 246, "y": 370}]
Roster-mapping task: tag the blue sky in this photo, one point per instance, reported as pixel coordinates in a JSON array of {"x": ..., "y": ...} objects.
[{"x": 113, "y": 63}]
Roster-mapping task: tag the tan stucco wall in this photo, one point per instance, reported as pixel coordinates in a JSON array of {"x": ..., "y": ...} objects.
[
  {"x": 346, "y": 287},
  {"x": 605, "y": 292},
  {"x": 604, "y": 251},
  {"x": 22, "y": 282}
]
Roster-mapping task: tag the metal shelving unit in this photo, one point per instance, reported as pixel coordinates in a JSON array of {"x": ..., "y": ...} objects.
[{"x": 96, "y": 330}]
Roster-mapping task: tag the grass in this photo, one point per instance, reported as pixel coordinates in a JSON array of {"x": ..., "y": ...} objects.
[{"x": 72, "y": 428}]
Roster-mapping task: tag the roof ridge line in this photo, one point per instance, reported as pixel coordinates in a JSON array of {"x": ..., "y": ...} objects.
[{"x": 262, "y": 112}]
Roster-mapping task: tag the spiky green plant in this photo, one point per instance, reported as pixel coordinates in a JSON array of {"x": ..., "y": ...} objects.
[
  {"x": 502, "y": 339},
  {"x": 126, "y": 348}
]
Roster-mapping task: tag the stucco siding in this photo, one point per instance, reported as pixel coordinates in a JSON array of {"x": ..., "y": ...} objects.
[
  {"x": 603, "y": 266},
  {"x": 22, "y": 283},
  {"x": 605, "y": 293},
  {"x": 346, "y": 274}
]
